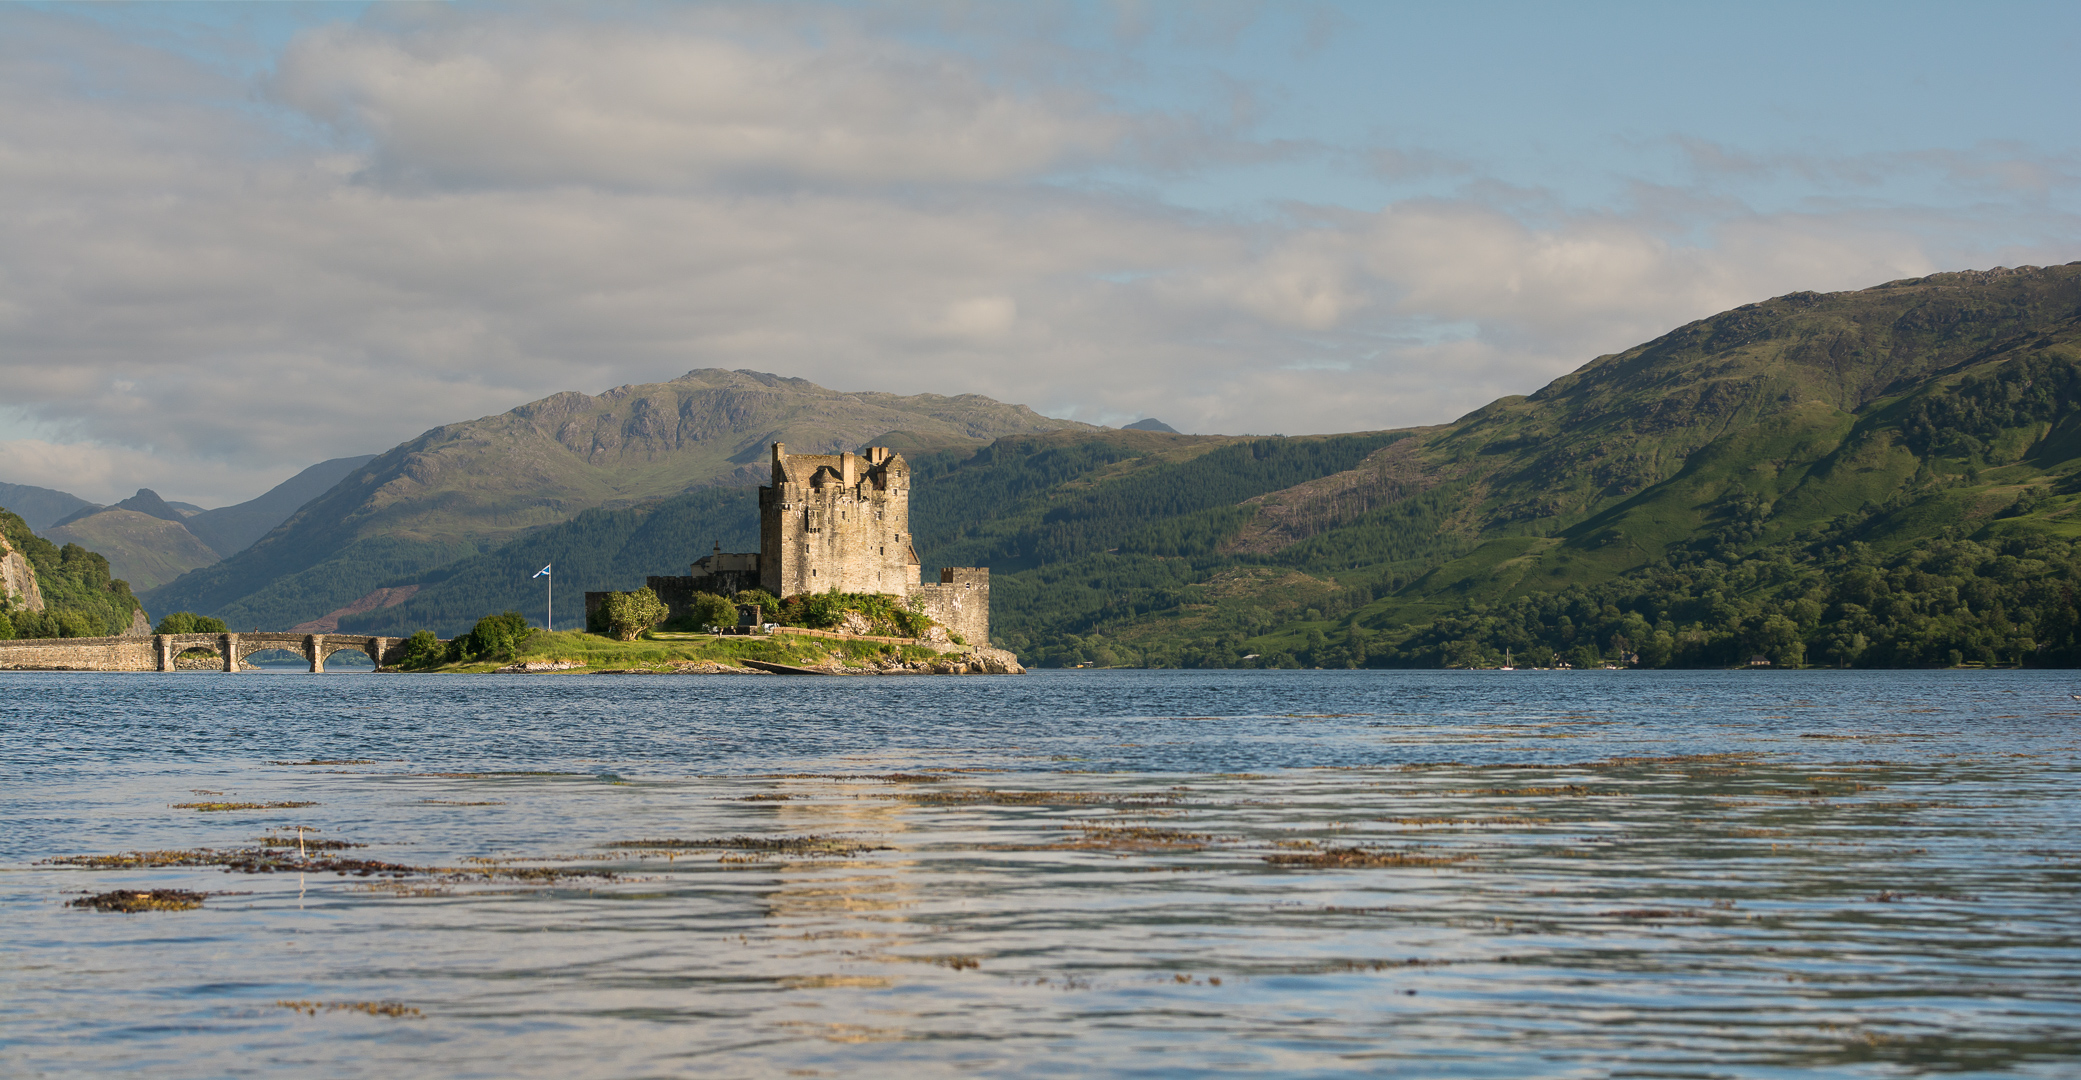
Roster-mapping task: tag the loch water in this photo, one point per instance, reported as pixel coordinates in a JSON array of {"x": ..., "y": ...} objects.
[{"x": 1114, "y": 873}]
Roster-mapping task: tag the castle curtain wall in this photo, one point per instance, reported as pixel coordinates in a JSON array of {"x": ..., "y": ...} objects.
[{"x": 960, "y": 601}]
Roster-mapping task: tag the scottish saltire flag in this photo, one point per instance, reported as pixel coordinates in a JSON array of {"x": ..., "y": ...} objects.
[{"x": 544, "y": 570}]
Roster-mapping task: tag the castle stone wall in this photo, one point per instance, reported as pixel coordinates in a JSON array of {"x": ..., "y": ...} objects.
[
  {"x": 960, "y": 601},
  {"x": 837, "y": 521},
  {"x": 678, "y": 592}
]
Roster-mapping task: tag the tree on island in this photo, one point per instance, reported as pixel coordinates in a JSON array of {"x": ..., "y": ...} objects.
[
  {"x": 628, "y": 614},
  {"x": 495, "y": 637},
  {"x": 187, "y": 622},
  {"x": 707, "y": 609},
  {"x": 424, "y": 650}
]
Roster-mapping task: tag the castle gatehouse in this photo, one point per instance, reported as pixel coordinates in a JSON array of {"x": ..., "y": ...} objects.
[{"x": 835, "y": 521}]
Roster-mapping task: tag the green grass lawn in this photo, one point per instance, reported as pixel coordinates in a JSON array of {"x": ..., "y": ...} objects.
[{"x": 659, "y": 651}]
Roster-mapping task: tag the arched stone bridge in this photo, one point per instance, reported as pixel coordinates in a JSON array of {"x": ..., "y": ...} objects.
[
  {"x": 235, "y": 648},
  {"x": 157, "y": 652}
]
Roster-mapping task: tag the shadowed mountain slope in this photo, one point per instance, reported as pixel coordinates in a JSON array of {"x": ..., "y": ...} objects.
[
  {"x": 1915, "y": 414},
  {"x": 232, "y": 529},
  {"x": 40, "y": 507}
]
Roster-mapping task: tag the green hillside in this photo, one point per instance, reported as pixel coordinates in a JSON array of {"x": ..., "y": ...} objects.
[
  {"x": 1923, "y": 431},
  {"x": 1880, "y": 477},
  {"x": 465, "y": 489}
]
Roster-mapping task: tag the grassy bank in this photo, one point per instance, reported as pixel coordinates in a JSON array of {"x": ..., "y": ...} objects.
[{"x": 665, "y": 651}]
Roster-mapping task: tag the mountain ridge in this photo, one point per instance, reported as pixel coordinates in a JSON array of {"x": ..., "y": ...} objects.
[
  {"x": 462, "y": 489},
  {"x": 229, "y": 530},
  {"x": 1926, "y": 413}
]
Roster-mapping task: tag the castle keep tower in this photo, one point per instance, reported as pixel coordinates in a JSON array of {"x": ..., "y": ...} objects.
[{"x": 837, "y": 521}]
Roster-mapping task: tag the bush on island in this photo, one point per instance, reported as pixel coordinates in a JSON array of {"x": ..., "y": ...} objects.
[
  {"x": 883, "y": 614},
  {"x": 187, "y": 622},
  {"x": 424, "y": 650},
  {"x": 495, "y": 637},
  {"x": 628, "y": 614},
  {"x": 6, "y": 627},
  {"x": 708, "y": 609}
]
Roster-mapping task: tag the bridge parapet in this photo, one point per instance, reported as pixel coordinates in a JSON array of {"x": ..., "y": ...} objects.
[
  {"x": 158, "y": 652},
  {"x": 78, "y": 654}
]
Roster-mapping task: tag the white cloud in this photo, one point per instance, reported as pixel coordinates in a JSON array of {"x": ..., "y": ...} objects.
[
  {"x": 505, "y": 100},
  {"x": 205, "y": 293},
  {"x": 108, "y": 474}
]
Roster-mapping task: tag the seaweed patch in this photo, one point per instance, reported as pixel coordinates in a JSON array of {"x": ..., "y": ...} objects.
[
  {"x": 130, "y": 901},
  {"x": 1355, "y": 858},
  {"x": 792, "y": 845},
  {"x": 214, "y": 807},
  {"x": 394, "y": 1009}
]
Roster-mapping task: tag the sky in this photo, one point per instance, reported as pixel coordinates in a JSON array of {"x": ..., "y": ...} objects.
[{"x": 239, "y": 239}]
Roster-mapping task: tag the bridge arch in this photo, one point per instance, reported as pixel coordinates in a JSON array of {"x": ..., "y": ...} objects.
[
  {"x": 235, "y": 649},
  {"x": 333, "y": 644}
]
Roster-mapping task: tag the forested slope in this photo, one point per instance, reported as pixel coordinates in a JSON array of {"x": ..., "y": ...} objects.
[
  {"x": 80, "y": 598},
  {"x": 1716, "y": 495},
  {"x": 597, "y": 550}
]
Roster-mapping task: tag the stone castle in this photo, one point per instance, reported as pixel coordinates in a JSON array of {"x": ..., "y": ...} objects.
[{"x": 836, "y": 521}]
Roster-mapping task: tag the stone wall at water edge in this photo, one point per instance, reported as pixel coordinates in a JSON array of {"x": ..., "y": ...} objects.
[{"x": 157, "y": 652}]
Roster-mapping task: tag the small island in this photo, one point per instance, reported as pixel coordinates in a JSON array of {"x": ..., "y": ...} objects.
[{"x": 835, "y": 589}]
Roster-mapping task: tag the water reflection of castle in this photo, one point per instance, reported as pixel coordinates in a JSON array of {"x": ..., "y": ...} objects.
[{"x": 835, "y": 521}]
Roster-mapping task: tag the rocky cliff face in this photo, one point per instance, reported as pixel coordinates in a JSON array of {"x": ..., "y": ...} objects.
[{"x": 18, "y": 579}]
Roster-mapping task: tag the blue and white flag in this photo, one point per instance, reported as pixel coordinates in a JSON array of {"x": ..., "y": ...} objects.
[{"x": 544, "y": 570}]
